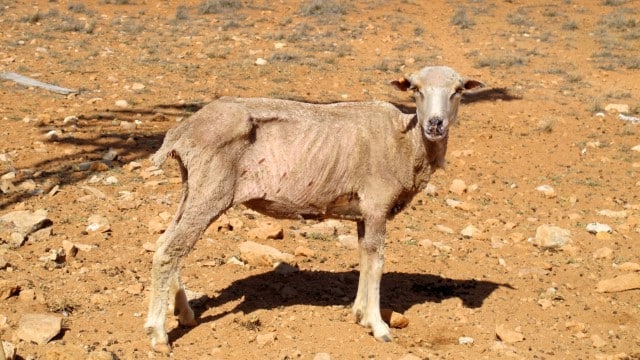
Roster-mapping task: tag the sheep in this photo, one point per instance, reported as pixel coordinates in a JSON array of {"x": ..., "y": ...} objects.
[{"x": 359, "y": 161}]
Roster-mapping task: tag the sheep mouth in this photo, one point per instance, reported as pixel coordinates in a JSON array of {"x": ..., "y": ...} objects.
[{"x": 434, "y": 133}]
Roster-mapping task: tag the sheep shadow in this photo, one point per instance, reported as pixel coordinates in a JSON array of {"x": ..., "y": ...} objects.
[{"x": 399, "y": 291}]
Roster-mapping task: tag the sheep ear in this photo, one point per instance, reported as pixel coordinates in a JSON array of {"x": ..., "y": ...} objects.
[
  {"x": 401, "y": 84},
  {"x": 472, "y": 84}
]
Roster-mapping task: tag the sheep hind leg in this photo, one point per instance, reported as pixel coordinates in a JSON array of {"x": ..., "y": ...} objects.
[{"x": 166, "y": 289}]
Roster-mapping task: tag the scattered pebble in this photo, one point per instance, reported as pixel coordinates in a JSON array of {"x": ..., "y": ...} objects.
[
  {"x": 122, "y": 103},
  {"x": 623, "y": 282},
  {"x": 394, "y": 319},
  {"x": 267, "y": 230},
  {"x": 458, "y": 187},
  {"x": 261, "y": 61},
  {"x": 547, "y": 191},
  {"x": 613, "y": 214},
  {"x": 595, "y": 228},
  {"x": 508, "y": 336},
  {"x": 348, "y": 241},
  {"x": 38, "y": 328},
  {"x": 465, "y": 340},
  {"x": 258, "y": 254},
  {"x": 603, "y": 253},
  {"x": 551, "y": 237},
  {"x": 619, "y": 108}
]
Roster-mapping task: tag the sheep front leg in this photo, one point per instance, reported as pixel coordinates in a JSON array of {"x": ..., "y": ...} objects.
[{"x": 367, "y": 305}]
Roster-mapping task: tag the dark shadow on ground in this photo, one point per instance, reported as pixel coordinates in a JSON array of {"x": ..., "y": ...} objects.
[{"x": 399, "y": 291}]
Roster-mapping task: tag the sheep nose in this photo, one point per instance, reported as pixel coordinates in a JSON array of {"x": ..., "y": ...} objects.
[{"x": 436, "y": 125}]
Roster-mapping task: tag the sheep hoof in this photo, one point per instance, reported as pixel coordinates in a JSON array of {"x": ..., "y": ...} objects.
[
  {"x": 384, "y": 338},
  {"x": 188, "y": 322},
  {"x": 162, "y": 348}
]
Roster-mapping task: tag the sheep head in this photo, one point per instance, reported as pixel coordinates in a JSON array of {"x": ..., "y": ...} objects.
[{"x": 437, "y": 91}]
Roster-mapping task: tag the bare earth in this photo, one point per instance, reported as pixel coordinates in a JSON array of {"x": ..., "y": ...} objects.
[{"x": 551, "y": 66}]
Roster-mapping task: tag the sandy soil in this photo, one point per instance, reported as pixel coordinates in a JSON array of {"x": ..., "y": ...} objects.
[{"x": 552, "y": 66}]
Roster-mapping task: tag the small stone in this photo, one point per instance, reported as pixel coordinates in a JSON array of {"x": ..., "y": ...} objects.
[
  {"x": 551, "y": 237},
  {"x": 111, "y": 180},
  {"x": 279, "y": 45},
  {"x": 156, "y": 226},
  {"x": 101, "y": 355},
  {"x": 135, "y": 289},
  {"x": 465, "y": 340},
  {"x": 304, "y": 251},
  {"x": 266, "y": 339},
  {"x": 8, "y": 289},
  {"x": 603, "y": 253},
  {"x": 636, "y": 148},
  {"x": 547, "y": 191},
  {"x": 267, "y": 231},
  {"x": 409, "y": 356},
  {"x": 603, "y": 236},
  {"x": 69, "y": 248},
  {"x": 444, "y": 229},
  {"x": 348, "y": 241},
  {"x": 458, "y": 187},
  {"x": 258, "y": 254},
  {"x": 597, "y": 341},
  {"x": 122, "y": 103},
  {"x": 620, "y": 108},
  {"x": 322, "y": 356},
  {"x": 70, "y": 120},
  {"x": 137, "y": 86},
  {"x": 471, "y": 231},
  {"x": 545, "y": 303},
  {"x": 3, "y": 263},
  {"x": 624, "y": 282},
  {"x": 7, "y": 350},
  {"x": 261, "y": 61},
  {"x": 394, "y": 319},
  {"x": 626, "y": 266},
  {"x": 98, "y": 223},
  {"x": 129, "y": 126},
  {"x": 38, "y": 328},
  {"x": 150, "y": 247},
  {"x": 284, "y": 268},
  {"x": 431, "y": 190},
  {"x": 23, "y": 223},
  {"x": 508, "y": 336},
  {"x": 132, "y": 166},
  {"x": 595, "y": 228},
  {"x": 613, "y": 214},
  {"x": 235, "y": 261}
]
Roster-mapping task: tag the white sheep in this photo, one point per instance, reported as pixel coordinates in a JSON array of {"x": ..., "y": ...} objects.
[{"x": 361, "y": 161}]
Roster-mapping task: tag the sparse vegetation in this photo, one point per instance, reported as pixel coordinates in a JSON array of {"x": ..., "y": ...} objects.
[
  {"x": 461, "y": 19},
  {"x": 322, "y": 8},
  {"x": 217, "y": 6}
]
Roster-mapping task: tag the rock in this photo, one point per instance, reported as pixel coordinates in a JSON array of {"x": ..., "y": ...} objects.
[
  {"x": 431, "y": 190},
  {"x": 624, "y": 282},
  {"x": 70, "y": 249},
  {"x": 7, "y": 187},
  {"x": 266, "y": 339},
  {"x": 444, "y": 229},
  {"x": 94, "y": 192},
  {"x": 348, "y": 241},
  {"x": 135, "y": 289},
  {"x": 3, "y": 263},
  {"x": 620, "y": 108},
  {"x": 471, "y": 231},
  {"x": 322, "y": 356},
  {"x": 137, "y": 86},
  {"x": 111, "y": 180},
  {"x": 122, "y": 103},
  {"x": 508, "y": 336},
  {"x": 409, "y": 356},
  {"x": 595, "y": 228},
  {"x": 597, "y": 341},
  {"x": 547, "y": 191},
  {"x": 626, "y": 266},
  {"x": 465, "y": 340},
  {"x": 304, "y": 251},
  {"x": 394, "y": 319},
  {"x": 101, "y": 355},
  {"x": 128, "y": 126},
  {"x": 636, "y": 148},
  {"x": 7, "y": 350},
  {"x": 98, "y": 223},
  {"x": 551, "y": 237},
  {"x": 150, "y": 247},
  {"x": 461, "y": 205},
  {"x": 18, "y": 225},
  {"x": 257, "y": 254},
  {"x": 70, "y": 120},
  {"x": 267, "y": 231},
  {"x": 603, "y": 253},
  {"x": 458, "y": 187},
  {"x": 110, "y": 155},
  {"x": 8, "y": 289},
  {"x": 156, "y": 226},
  {"x": 38, "y": 328},
  {"x": 261, "y": 61},
  {"x": 284, "y": 268},
  {"x": 132, "y": 166},
  {"x": 613, "y": 214}
]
